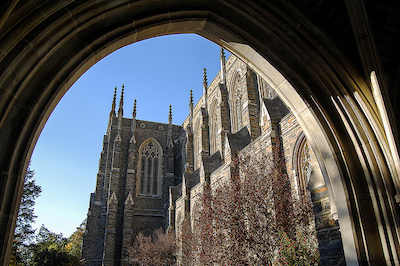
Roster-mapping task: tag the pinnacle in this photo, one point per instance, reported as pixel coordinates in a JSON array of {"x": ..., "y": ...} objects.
[
  {"x": 170, "y": 114},
  {"x": 222, "y": 53},
  {"x": 134, "y": 109},
  {"x": 205, "y": 77},
  {"x": 121, "y": 103},
  {"x": 112, "y": 112},
  {"x": 191, "y": 97}
]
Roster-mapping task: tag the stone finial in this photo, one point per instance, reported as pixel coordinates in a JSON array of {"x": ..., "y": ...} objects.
[
  {"x": 191, "y": 97},
  {"x": 112, "y": 113},
  {"x": 134, "y": 109},
  {"x": 170, "y": 114},
  {"x": 121, "y": 103},
  {"x": 205, "y": 84},
  {"x": 222, "y": 55},
  {"x": 223, "y": 67},
  {"x": 133, "y": 121},
  {"x": 191, "y": 108}
]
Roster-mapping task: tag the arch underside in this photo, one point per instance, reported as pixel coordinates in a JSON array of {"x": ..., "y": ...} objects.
[{"x": 46, "y": 47}]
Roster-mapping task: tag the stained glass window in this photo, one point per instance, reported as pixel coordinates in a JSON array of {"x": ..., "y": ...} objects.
[{"x": 149, "y": 168}]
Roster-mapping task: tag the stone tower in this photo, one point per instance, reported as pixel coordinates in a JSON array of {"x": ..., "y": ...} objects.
[{"x": 137, "y": 166}]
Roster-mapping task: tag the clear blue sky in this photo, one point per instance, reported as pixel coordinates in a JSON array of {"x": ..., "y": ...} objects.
[{"x": 157, "y": 72}]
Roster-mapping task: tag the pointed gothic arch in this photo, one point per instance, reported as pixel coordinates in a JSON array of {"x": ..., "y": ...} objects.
[
  {"x": 265, "y": 90},
  {"x": 214, "y": 126},
  {"x": 47, "y": 45},
  {"x": 301, "y": 164},
  {"x": 149, "y": 174},
  {"x": 196, "y": 143},
  {"x": 236, "y": 101}
]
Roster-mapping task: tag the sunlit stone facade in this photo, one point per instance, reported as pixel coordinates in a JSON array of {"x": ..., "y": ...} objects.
[{"x": 151, "y": 174}]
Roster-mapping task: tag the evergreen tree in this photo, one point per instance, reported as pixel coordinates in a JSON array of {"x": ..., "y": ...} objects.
[
  {"x": 24, "y": 233},
  {"x": 46, "y": 247},
  {"x": 50, "y": 249},
  {"x": 75, "y": 241}
]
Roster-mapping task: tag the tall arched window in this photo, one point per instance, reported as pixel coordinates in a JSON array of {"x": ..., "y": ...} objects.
[
  {"x": 236, "y": 102},
  {"x": 266, "y": 91},
  {"x": 196, "y": 143},
  {"x": 214, "y": 128},
  {"x": 150, "y": 154},
  {"x": 238, "y": 110},
  {"x": 301, "y": 164}
]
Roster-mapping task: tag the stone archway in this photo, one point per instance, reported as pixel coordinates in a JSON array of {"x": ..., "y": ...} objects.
[{"x": 45, "y": 46}]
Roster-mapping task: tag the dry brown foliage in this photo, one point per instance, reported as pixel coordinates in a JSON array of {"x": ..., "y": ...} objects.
[
  {"x": 243, "y": 219},
  {"x": 249, "y": 218},
  {"x": 158, "y": 249}
]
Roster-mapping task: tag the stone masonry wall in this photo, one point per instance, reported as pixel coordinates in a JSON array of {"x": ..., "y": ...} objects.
[{"x": 117, "y": 213}]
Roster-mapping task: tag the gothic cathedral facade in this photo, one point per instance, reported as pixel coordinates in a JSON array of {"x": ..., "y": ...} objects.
[{"x": 151, "y": 174}]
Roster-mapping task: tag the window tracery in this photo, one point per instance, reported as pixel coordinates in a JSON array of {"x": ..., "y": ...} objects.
[
  {"x": 214, "y": 129},
  {"x": 302, "y": 164},
  {"x": 150, "y": 165},
  {"x": 266, "y": 91},
  {"x": 196, "y": 144},
  {"x": 236, "y": 103}
]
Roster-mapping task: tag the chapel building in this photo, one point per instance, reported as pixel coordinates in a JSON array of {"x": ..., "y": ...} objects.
[{"x": 151, "y": 174}]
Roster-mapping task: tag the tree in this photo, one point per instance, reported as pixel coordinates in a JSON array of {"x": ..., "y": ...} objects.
[
  {"x": 45, "y": 248},
  {"x": 75, "y": 241},
  {"x": 50, "y": 249},
  {"x": 155, "y": 250},
  {"x": 250, "y": 218},
  {"x": 24, "y": 233},
  {"x": 237, "y": 223}
]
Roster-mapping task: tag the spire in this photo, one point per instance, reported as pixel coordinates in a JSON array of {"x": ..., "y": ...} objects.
[
  {"x": 112, "y": 112},
  {"x": 222, "y": 54},
  {"x": 205, "y": 85},
  {"x": 121, "y": 103},
  {"x": 191, "y": 98},
  {"x": 170, "y": 114},
  {"x": 223, "y": 68},
  {"x": 133, "y": 121},
  {"x": 170, "y": 143},
  {"x": 191, "y": 109},
  {"x": 134, "y": 109}
]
